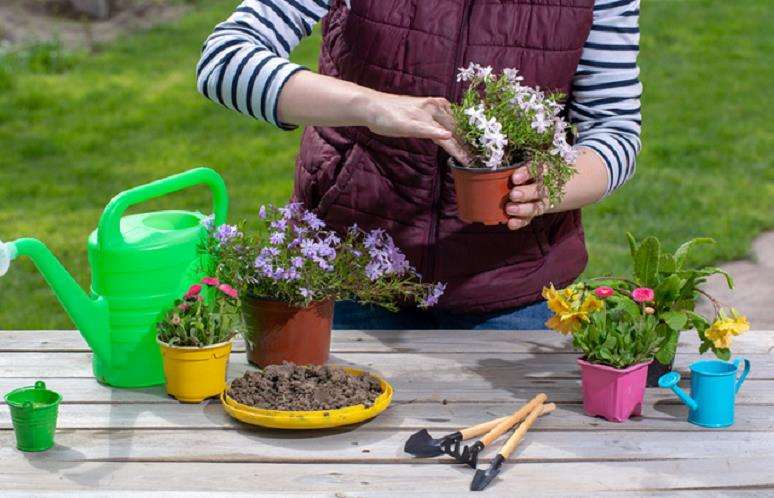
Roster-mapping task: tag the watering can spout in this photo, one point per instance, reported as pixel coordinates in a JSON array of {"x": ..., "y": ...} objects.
[
  {"x": 90, "y": 314},
  {"x": 670, "y": 381}
]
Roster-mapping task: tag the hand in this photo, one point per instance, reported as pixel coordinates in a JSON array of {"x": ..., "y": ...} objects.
[
  {"x": 415, "y": 117},
  {"x": 528, "y": 199}
]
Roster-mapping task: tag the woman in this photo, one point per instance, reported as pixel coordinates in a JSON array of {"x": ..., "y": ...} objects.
[{"x": 379, "y": 133}]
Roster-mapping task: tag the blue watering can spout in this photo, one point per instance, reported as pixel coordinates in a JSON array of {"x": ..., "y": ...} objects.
[{"x": 670, "y": 381}]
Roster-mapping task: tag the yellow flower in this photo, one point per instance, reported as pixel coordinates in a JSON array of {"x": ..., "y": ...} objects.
[
  {"x": 557, "y": 301},
  {"x": 724, "y": 328},
  {"x": 564, "y": 326},
  {"x": 569, "y": 312}
]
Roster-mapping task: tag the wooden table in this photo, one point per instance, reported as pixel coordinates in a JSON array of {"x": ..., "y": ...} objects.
[{"x": 118, "y": 442}]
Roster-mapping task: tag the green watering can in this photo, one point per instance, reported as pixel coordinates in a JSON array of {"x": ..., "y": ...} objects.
[{"x": 139, "y": 265}]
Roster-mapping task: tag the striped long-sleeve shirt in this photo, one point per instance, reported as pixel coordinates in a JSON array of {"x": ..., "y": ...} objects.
[{"x": 244, "y": 65}]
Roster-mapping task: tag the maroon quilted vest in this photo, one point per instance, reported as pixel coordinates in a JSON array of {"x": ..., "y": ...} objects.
[{"x": 414, "y": 47}]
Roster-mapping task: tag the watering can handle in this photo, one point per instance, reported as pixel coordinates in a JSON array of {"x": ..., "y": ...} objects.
[
  {"x": 744, "y": 372},
  {"x": 109, "y": 232}
]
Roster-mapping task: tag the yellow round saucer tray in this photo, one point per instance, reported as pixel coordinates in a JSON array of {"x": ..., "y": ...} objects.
[{"x": 314, "y": 419}]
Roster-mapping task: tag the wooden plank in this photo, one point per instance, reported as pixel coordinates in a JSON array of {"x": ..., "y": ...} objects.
[
  {"x": 438, "y": 418},
  {"x": 23, "y": 472},
  {"x": 719, "y": 492},
  {"x": 499, "y": 370},
  {"x": 408, "y": 341},
  {"x": 359, "y": 446},
  {"x": 409, "y": 388}
]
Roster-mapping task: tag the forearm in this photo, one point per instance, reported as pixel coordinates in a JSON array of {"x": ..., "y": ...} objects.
[
  {"x": 316, "y": 100},
  {"x": 588, "y": 185}
]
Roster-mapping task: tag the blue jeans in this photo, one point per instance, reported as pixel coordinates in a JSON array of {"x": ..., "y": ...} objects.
[{"x": 350, "y": 315}]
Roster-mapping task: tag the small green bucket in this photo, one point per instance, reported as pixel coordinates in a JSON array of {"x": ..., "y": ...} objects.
[{"x": 34, "y": 410}]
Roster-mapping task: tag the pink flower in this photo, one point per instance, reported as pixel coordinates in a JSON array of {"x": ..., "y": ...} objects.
[
  {"x": 643, "y": 294},
  {"x": 211, "y": 281},
  {"x": 193, "y": 291},
  {"x": 176, "y": 320},
  {"x": 183, "y": 306},
  {"x": 228, "y": 290},
  {"x": 603, "y": 291}
]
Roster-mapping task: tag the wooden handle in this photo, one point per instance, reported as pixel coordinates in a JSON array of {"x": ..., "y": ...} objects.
[
  {"x": 519, "y": 414},
  {"x": 483, "y": 428},
  {"x": 519, "y": 433}
]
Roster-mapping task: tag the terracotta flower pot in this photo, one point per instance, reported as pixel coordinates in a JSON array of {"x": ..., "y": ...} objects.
[
  {"x": 482, "y": 193},
  {"x": 278, "y": 332},
  {"x": 612, "y": 393}
]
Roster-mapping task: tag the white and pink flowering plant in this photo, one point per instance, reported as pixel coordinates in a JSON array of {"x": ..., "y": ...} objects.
[
  {"x": 293, "y": 257},
  {"x": 504, "y": 123}
]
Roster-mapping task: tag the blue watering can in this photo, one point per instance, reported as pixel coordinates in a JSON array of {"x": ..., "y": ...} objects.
[{"x": 713, "y": 390}]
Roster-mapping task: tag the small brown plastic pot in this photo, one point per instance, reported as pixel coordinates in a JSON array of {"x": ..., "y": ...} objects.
[
  {"x": 278, "y": 332},
  {"x": 482, "y": 193}
]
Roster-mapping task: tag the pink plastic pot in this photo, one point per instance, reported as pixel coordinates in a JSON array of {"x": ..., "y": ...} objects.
[{"x": 612, "y": 393}]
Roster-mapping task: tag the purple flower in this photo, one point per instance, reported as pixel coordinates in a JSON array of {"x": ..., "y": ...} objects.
[
  {"x": 277, "y": 237},
  {"x": 262, "y": 213},
  {"x": 433, "y": 295},
  {"x": 305, "y": 293},
  {"x": 297, "y": 262},
  {"x": 386, "y": 257},
  {"x": 209, "y": 222},
  {"x": 313, "y": 221},
  {"x": 226, "y": 233},
  {"x": 279, "y": 225}
]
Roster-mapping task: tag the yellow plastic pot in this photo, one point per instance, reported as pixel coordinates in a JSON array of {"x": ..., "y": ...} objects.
[
  {"x": 313, "y": 419},
  {"x": 194, "y": 374}
]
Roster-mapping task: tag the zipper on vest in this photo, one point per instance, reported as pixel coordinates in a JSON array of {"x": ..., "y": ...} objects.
[{"x": 452, "y": 94}]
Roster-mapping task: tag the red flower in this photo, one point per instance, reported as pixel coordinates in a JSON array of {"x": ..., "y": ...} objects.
[
  {"x": 604, "y": 291},
  {"x": 643, "y": 294},
  {"x": 211, "y": 281},
  {"x": 193, "y": 291},
  {"x": 228, "y": 290}
]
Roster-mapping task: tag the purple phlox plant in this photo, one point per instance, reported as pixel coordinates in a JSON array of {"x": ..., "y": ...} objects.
[
  {"x": 226, "y": 233},
  {"x": 385, "y": 257},
  {"x": 300, "y": 260},
  {"x": 434, "y": 295}
]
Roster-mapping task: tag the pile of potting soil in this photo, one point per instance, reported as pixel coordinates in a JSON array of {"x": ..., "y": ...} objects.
[{"x": 310, "y": 387}]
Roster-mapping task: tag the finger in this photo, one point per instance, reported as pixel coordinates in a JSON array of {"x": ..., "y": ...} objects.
[
  {"x": 517, "y": 223},
  {"x": 524, "y": 209},
  {"x": 521, "y": 175},
  {"x": 420, "y": 129},
  {"x": 454, "y": 149},
  {"x": 526, "y": 193}
]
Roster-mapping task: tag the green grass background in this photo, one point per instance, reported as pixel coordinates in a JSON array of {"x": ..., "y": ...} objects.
[{"x": 76, "y": 129}]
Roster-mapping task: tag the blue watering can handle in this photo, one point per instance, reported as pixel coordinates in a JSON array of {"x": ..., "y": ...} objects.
[
  {"x": 744, "y": 372},
  {"x": 109, "y": 231}
]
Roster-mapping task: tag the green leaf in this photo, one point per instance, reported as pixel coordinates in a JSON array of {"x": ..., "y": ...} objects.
[
  {"x": 675, "y": 319},
  {"x": 666, "y": 263},
  {"x": 646, "y": 261},
  {"x": 699, "y": 322},
  {"x": 667, "y": 351},
  {"x": 669, "y": 289},
  {"x": 723, "y": 354},
  {"x": 711, "y": 270},
  {"x": 632, "y": 245},
  {"x": 682, "y": 252},
  {"x": 704, "y": 347}
]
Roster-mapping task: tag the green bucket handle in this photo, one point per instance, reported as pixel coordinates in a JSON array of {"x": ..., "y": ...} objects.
[
  {"x": 109, "y": 232},
  {"x": 40, "y": 384}
]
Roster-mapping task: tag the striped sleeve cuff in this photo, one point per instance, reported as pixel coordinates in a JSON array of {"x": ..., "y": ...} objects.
[{"x": 618, "y": 152}]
